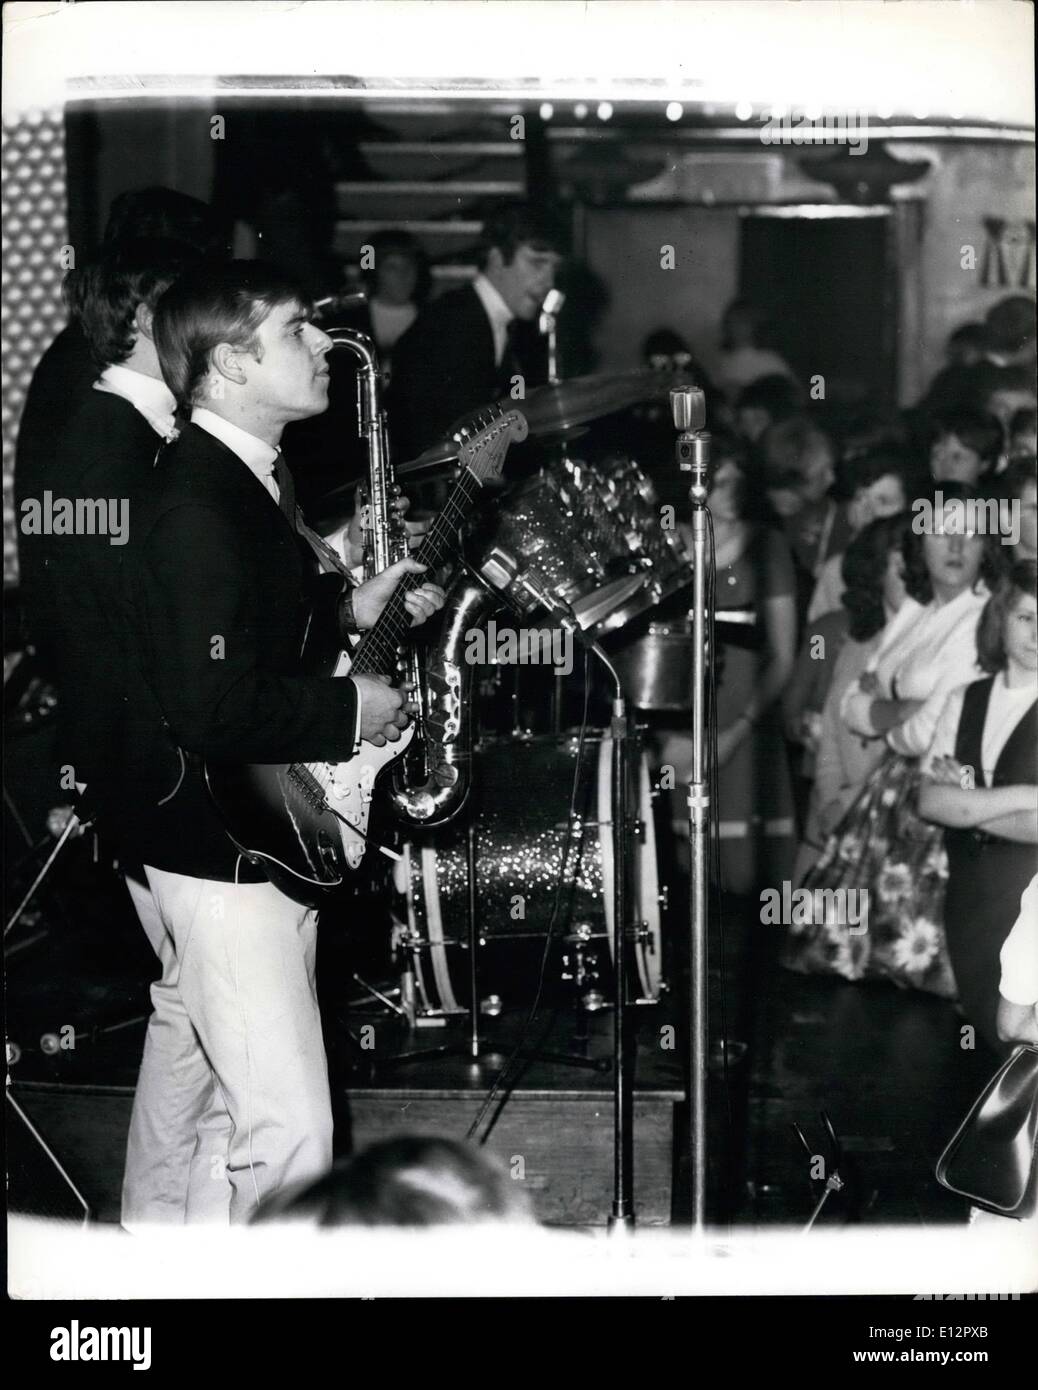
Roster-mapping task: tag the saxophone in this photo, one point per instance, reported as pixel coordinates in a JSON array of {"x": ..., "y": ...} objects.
[
  {"x": 431, "y": 782},
  {"x": 384, "y": 532},
  {"x": 447, "y": 742}
]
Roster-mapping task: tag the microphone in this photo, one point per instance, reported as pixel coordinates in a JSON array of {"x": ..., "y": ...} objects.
[
  {"x": 688, "y": 411},
  {"x": 501, "y": 571},
  {"x": 336, "y": 303},
  {"x": 553, "y": 302}
]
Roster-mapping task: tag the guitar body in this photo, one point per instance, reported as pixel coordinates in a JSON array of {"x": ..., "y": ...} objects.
[
  {"x": 304, "y": 824},
  {"x": 282, "y": 816}
]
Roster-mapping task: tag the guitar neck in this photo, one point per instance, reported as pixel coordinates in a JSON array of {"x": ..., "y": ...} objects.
[{"x": 377, "y": 650}]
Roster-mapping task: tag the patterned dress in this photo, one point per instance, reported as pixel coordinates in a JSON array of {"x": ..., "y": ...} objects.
[{"x": 884, "y": 847}]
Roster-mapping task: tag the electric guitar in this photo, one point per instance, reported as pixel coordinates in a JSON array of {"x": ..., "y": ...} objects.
[{"x": 304, "y": 824}]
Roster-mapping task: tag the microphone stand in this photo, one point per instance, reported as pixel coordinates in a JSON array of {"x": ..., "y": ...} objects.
[
  {"x": 622, "y": 1214},
  {"x": 688, "y": 409}
]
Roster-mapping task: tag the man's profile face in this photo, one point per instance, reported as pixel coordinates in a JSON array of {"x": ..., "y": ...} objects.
[
  {"x": 289, "y": 376},
  {"x": 525, "y": 280}
]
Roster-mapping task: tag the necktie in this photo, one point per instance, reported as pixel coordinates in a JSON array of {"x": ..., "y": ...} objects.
[
  {"x": 286, "y": 489},
  {"x": 326, "y": 557}
]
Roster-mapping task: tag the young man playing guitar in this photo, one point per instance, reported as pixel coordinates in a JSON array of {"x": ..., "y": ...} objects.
[{"x": 232, "y": 1101}]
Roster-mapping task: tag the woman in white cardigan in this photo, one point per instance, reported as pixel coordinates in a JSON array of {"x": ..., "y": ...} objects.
[{"x": 882, "y": 846}]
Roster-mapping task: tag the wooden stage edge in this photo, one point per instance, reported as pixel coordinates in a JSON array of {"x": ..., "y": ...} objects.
[{"x": 558, "y": 1143}]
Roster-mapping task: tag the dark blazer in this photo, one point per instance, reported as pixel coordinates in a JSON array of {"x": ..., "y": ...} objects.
[
  {"x": 104, "y": 453},
  {"x": 443, "y": 368},
  {"x": 60, "y": 385},
  {"x": 214, "y": 594},
  {"x": 986, "y": 874},
  {"x": 63, "y": 376}
]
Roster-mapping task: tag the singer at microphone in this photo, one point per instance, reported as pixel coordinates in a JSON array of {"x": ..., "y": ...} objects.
[{"x": 469, "y": 346}]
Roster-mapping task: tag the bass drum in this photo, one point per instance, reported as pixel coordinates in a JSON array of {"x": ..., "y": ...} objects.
[{"x": 518, "y": 818}]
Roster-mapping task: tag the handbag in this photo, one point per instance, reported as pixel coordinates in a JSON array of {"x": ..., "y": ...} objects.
[{"x": 991, "y": 1157}]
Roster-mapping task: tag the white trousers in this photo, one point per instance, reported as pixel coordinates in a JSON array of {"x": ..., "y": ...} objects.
[{"x": 232, "y": 1099}]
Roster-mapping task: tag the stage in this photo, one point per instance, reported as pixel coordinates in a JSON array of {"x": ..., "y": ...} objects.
[{"x": 885, "y": 1064}]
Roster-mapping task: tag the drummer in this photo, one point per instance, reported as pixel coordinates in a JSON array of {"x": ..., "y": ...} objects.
[{"x": 467, "y": 347}]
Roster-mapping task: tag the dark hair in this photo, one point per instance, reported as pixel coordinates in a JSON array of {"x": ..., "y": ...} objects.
[
  {"x": 991, "y": 644},
  {"x": 106, "y": 293},
  {"x": 917, "y": 576},
  {"x": 1024, "y": 419},
  {"x": 1021, "y": 471},
  {"x": 976, "y": 429},
  {"x": 169, "y": 215},
  {"x": 511, "y": 225},
  {"x": 1009, "y": 325},
  {"x": 664, "y": 341},
  {"x": 413, "y": 1180},
  {"x": 750, "y": 496},
  {"x": 778, "y": 395},
  {"x": 862, "y": 470},
  {"x": 212, "y": 305},
  {"x": 392, "y": 241},
  {"x": 863, "y": 567},
  {"x": 785, "y": 446},
  {"x": 1015, "y": 377},
  {"x": 969, "y": 335}
]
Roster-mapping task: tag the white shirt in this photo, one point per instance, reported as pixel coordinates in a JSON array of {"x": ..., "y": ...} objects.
[
  {"x": 259, "y": 458},
  {"x": 1019, "y": 955},
  {"x": 498, "y": 313},
  {"x": 925, "y": 653},
  {"x": 149, "y": 396},
  {"x": 1006, "y": 707}
]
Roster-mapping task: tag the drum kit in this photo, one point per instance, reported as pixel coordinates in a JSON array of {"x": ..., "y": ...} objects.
[{"x": 533, "y": 855}]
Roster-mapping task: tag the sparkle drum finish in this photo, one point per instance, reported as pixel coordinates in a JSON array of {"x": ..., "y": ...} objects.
[
  {"x": 594, "y": 533},
  {"x": 521, "y": 795}
]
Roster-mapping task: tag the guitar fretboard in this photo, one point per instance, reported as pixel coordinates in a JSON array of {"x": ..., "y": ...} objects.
[{"x": 376, "y": 654}]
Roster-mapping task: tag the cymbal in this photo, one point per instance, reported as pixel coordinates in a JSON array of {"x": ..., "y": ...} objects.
[
  {"x": 558, "y": 408},
  {"x": 562, "y": 405}
]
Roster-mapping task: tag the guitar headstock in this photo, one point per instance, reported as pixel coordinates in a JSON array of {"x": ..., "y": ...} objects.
[{"x": 483, "y": 442}]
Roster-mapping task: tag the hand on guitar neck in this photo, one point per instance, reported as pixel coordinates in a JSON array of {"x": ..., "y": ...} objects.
[
  {"x": 384, "y": 712},
  {"x": 373, "y": 595}
]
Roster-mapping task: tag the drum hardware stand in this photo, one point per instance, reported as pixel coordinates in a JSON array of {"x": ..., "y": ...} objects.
[
  {"x": 688, "y": 409},
  {"x": 833, "y": 1181},
  {"x": 73, "y": 827}
]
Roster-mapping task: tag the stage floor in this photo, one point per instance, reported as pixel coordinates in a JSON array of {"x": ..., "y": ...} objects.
[{"x": 885, "y": 1064}]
